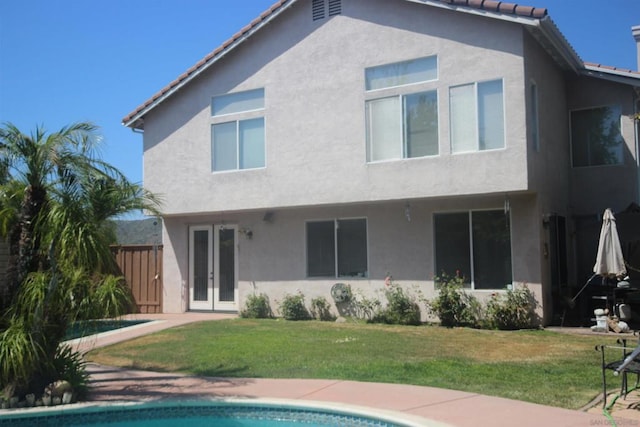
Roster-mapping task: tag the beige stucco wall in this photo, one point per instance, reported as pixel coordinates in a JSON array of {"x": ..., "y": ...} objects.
[
  {"x": 612, "y": 186},
  {"x": 313, "y": 75},
  {"x": 316, "y": 168},
  {"x": 273, "y": 260}
]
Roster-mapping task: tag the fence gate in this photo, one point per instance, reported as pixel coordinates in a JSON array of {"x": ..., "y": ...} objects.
[{"x": 141, "y": 266}]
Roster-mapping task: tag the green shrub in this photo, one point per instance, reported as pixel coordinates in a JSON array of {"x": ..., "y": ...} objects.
[
  {"x": 113, "y": 296},
  {"x": 69, "y": 365},
  {"x": 292, "y": 307},
  {"x": 257, "y": 307},
  {"x": 20, "y": 355},
  {"x": 453, "y": 306},
  {"x": 513, "y": 310},
  {"x": 401, "y": 309},
  {"x": 321, "y": 309},
  {"x": 364, "y": 308}
]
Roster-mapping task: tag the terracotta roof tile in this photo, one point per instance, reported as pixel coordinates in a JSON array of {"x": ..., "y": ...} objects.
[
  {"x": 611, "y": 68},
  {"x": 489, "y": 5}
]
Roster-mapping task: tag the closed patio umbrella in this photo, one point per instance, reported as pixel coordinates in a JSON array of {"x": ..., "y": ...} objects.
[{"x": 609, "y": 259}]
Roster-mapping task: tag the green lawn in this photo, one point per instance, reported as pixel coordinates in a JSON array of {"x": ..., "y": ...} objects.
[{"x": 536, "y": 366}]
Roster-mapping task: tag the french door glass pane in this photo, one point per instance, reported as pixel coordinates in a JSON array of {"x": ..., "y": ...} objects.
[
  {"x": 200, "y": 265},
  {"x": 384, "y": 129},
  {"x": 490, "y": 115},
  {"x": 491, "y": 250},
  {"x": 452, "y": 241},
  {"x": 321, "y": 249},
  {"x": 252, "y": 143},
  {"x": 352, "y": 248},
  {"x": 463, "y": 121},
  {"x": 227, "y": 269},
  {"x": 224, "y": 146},
  {"x": 421, "y": 124}
]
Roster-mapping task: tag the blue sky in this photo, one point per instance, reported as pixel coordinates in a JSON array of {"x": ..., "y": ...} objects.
[{"x": 63, "y": 61}]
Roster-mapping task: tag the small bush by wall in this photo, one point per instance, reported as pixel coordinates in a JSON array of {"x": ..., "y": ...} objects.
[
  {"x": 321, "y": 309},
  {"x": 257, "y": 307},
  {"x": 401, "y": 309},
  {"x": 292, "y": 307},
  {"x": 453, "y": 306},
  {"x": 513, "y": 310}
]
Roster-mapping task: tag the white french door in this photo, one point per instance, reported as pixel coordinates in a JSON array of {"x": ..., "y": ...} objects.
[
  {"x": 201, "y": 267},
  {"x": 225, "y": 264},
  {"x": 213, "y": 267}
]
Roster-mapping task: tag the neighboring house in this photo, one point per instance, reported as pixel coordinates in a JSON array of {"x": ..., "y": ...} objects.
[{"x": 350, "y": 140}]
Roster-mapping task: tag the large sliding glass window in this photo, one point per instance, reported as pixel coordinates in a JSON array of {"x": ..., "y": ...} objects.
[
  {"x": 475, "y": 245},
  {"x": 477, "y": 116},
  {"x": 237, "y": 134},
  {"x": 404, "y": 122},
  {"x": 596, "y": 138},
  {"x": 337, "y": 248}
]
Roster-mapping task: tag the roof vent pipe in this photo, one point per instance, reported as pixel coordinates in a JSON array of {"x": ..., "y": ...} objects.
[{"x": 635, "y": 30}]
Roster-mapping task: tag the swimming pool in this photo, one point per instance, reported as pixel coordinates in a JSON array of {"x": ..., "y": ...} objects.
[
  {"x": 198, "y": 414},
  {"x": 91, "y": 327}
]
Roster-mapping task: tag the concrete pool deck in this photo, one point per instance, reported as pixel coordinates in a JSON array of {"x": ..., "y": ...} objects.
[{"x": 455, "y": 408}]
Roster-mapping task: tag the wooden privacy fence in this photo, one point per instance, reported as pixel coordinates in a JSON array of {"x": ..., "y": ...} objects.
[{"x": 141, "y": 266}]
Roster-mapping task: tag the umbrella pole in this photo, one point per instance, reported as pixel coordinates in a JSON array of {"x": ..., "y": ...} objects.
[{"x": 564, "y": 312}]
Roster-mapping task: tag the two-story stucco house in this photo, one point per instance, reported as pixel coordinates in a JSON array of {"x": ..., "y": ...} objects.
[{"x": 351, "y": 140}]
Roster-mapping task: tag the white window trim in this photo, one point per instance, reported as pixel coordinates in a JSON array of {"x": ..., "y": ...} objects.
[
  {"x": 403, "y": 133},
  {"x": 477, "y": 117},
  {"x": 335, "y": 248},
  {"x": 237, "y": 117},
  {"x": 396, "y": 87},
  {"x": 469, "y": 212}
]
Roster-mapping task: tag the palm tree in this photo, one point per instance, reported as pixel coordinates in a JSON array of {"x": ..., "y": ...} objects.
[
  {"x": 57, "y": 200},
  {"x": 38, "y": 161}
]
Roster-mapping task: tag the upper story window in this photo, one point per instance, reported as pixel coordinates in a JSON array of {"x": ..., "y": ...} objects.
[
  {"x": 402, "y": 117},
  {"x": 237, "y": 131},
  {"x": 337, "y": 248},
  {"x": 476, "y": 116},
  {"x": 596, "y": 138}
]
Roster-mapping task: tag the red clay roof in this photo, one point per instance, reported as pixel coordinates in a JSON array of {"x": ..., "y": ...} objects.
[
  {"x": 488, "y": 5},
  {"x": 610, "y": 68}
]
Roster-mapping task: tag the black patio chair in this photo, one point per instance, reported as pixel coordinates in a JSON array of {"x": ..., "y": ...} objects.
[{"x": 629, "y": 363}]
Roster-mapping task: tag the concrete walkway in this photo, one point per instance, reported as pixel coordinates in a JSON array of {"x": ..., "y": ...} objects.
[{"x": 454, "y": 408}]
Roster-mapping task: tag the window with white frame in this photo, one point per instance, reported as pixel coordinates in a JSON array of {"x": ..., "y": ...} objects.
[
  {"x": 596, "y": 138},
  {"x": 476, "y": 116},
  {"x": 337, "y": 248},
  {"x": 475, "y": 245},
  {"x": 402, "y": 117},
  {"x": 237, "y": 131}
]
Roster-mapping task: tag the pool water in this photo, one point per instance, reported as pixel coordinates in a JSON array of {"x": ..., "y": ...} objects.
[
  {"x": 194, "y": 414},
  {"x": 92, "y": 327}
]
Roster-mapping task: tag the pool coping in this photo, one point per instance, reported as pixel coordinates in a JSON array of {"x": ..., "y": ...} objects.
[
  {"x": 340, "y": 409},
  {"x": 102, "y": 335}
]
